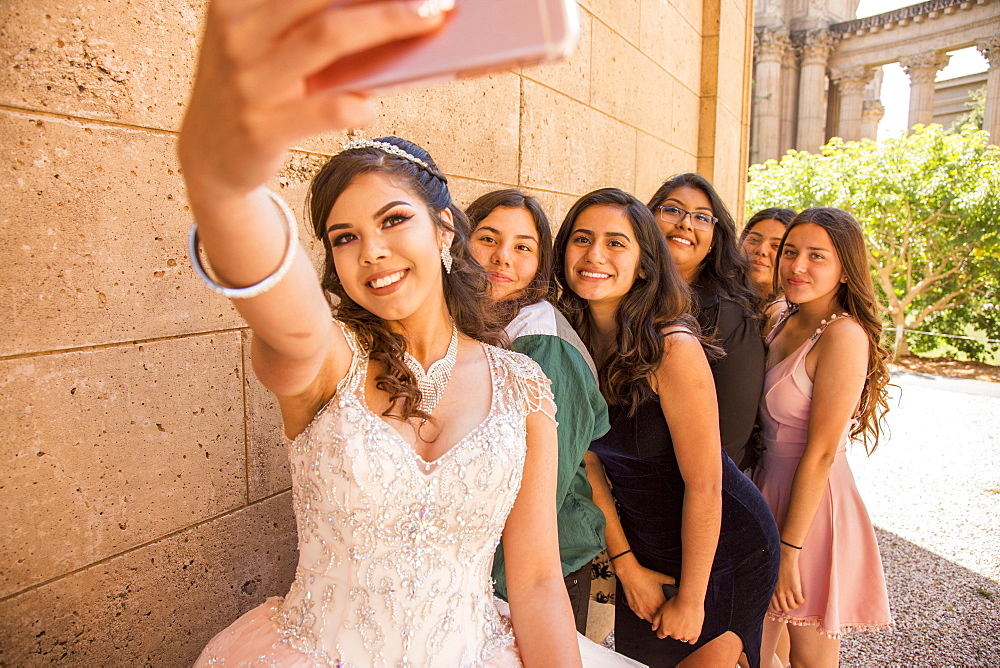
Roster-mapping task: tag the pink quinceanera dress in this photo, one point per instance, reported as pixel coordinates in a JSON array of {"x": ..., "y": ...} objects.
[
  {"x": 395, "y": 553},
  {"x": 840, "y": 566}
]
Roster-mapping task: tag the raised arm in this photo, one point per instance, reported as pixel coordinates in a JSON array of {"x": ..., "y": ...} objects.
[
  {"x": 684, "y": 384},
  {"x": 251, "y": 101},
  {"x": 841, "y": 364},
  {"x": 539, "y": 606}
]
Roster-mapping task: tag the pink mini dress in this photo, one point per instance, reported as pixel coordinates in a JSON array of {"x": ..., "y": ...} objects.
[{"x": 840, "y": 566}]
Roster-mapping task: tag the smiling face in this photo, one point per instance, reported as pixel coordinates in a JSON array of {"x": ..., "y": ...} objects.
[
  {"x": 602, "y": 256},
  {"x": 810, "y": 268},
  {"x": 506, "y": 244},
  {"x": 688, "y": 246},
  {"x": 761, "y": 247},
  {"x": 387, "y": 248}
]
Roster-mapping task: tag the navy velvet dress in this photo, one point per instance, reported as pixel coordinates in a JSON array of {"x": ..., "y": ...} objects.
[{"x": 638, "y": 457}]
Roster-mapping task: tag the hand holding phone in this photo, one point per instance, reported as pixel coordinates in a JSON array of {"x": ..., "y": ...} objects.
[{"x": 478, "y": 36}]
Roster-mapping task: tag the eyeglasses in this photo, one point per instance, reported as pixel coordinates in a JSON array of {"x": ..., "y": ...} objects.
[{"x": 675, "y": 215}]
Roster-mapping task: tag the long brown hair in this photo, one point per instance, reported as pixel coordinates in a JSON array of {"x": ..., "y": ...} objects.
[
  {"x": 464, "y": 288},
  {"x": 658, "y": 298},
  {"x": 725, "y": 269},
  {"x": 857, "y": 296},
  {"x": 541, "y": 286}
]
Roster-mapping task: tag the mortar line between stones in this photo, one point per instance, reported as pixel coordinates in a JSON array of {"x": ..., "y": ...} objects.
[
  {"x": 246, "y": 428},
  {"x": 101, "y": 562},
  {"x": 117, "y": 344}
]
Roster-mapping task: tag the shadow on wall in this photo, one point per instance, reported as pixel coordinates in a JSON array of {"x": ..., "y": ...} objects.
[{"x": 945, "y": 614}]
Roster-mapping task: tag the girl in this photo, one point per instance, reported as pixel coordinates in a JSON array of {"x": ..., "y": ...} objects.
[
  {"x": 416, "y": 446},
  {"x": 682, "y": 513},
  {"x": 511, "y": 239},
  {"x": 759, "y": 241},
  {"x": 825, "y": 385},
  {"x": 701, "y": 238}
]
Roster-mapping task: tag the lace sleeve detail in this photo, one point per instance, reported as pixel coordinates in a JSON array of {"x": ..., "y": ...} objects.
[
  {"x": 357, "y": 357},
  {"x": 533, "y": 386}
]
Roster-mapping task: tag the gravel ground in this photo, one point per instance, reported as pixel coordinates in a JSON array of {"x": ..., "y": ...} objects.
[{"x": 933, "y": 492}]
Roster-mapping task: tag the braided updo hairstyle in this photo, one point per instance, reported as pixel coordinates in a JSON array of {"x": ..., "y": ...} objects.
[{"x": 465, "y": 288}]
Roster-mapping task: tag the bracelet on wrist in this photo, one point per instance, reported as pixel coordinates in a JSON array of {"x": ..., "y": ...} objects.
[
  {"x": 794, "y": 547},
  {"x": 620, "y": 554},
  {"x": 269, "y": 281}
]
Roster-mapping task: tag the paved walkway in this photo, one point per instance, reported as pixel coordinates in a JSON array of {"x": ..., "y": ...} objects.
[{"x": 933, "y": 491}]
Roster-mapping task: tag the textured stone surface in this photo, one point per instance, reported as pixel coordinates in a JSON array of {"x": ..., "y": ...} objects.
[
  {"x": 94, "y": 224},
  {"x": 267, "y": 448},
  {"x": 469, "y": 126},
  {"x": 628, "y": 86},
  {"x": 673, "y": 40},
  {"x": 685, "y": 106},
  {"x": 157, "y": 605},
  {"x": 111, "y": 448},
  {"x": 622, "y": 16},
  {"x": 567, "y": 147},
  {"x": 555, "y": 205},
  {"x": 572, "y": 76},
  {"x": 129, "y": 62},
  {"x": 658, "y": 160}
]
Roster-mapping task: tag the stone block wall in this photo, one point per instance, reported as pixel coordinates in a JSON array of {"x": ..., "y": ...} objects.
[{"x": 143, "y": 480}]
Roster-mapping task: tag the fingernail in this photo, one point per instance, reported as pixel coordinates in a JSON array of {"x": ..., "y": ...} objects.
[{"x": 432, "y": 8}]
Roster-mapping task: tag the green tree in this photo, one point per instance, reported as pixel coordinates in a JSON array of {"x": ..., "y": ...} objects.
[
  {"x": 976, "y": 105},
  {"x": 929, "y": 203}
]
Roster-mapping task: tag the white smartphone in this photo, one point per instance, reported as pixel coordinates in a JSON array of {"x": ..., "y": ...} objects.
[{"x": 479, "y": 36}]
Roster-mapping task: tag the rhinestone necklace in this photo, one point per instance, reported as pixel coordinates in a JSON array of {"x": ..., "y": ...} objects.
[{"x": 432, "y": 383}]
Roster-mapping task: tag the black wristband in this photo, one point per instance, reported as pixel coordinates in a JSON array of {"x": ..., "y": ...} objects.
[
  {"x": 794, "y": 547},
  {"x": 620, "y": 554}
]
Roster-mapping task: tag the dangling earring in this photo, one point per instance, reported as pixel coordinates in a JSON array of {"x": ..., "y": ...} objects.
[{"x": 446, "y": 259}]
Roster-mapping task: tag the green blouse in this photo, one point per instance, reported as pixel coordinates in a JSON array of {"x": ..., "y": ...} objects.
[{"x": 543, "y": 334}]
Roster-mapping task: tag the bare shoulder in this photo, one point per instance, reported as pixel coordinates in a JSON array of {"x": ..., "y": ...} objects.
[{"x": 842, "y": 341}]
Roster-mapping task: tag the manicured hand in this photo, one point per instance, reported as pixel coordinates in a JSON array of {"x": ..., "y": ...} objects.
[
  {"x": 252, "y": 97},
  {"x": 680, "y": 619}
]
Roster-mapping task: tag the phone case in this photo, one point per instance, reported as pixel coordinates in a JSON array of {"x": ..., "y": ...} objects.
[{"x": 479, "y": 36}]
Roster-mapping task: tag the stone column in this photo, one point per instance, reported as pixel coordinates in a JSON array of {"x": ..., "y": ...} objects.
[
  {"x": 789, "y": 98},
  {"x": 851, "y": 81},
  {"x": 771, "y": 45},
  {"x": 990, "y": 48},
  {"x": 811, "y": 132},
  {"x": 872, "y": 112},
  {"x": 922, "y": 68}
]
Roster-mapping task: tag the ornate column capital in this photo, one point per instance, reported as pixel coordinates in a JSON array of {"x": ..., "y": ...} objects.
[
  {"x": 770, "y": 44},
  {"x": 990, "y": 48},
  {"x": 923, "y": 67},
  {"x": 852, "y": 80},
  {"x": 817, "y": 47},
  {"x": 872, "y": 111}
]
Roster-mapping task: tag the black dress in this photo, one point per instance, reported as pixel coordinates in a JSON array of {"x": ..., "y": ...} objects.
[
  {"x": 638, "y": 456},
  {"x": 739, "y": 376}
]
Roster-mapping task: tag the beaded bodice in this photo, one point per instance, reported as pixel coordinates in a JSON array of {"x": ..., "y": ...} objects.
[{"x": 394, "y": 552}]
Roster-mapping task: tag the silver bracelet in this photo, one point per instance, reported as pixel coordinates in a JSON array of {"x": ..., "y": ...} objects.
[{"x": 268, "y": 282}]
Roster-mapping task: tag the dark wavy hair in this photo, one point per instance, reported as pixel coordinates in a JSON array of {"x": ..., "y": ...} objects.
[
  {"x": 465, "y": 288},
  {"x": 857, "y": 296},
  {"x": 658, "y": 298},
  {"x": 725, "y": 269},
  {"x": 541, "y": 286},
  {"x": 783, "y": 216}
]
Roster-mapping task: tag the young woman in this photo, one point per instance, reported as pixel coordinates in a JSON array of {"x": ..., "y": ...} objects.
[
  {"x": 825, "y": 385},
  {"x": 511, "y": 239},
  {"x": 759, "y": 241},
  {"x": 417, "y": 448},
  {"x": 682, "y": 514},
  {"x": 701, "y": 237}
]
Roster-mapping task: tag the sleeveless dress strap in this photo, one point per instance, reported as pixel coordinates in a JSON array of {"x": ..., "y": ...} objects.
[
  {"x": 355, "y": 373},
  {"x": 787, "y": 313}
]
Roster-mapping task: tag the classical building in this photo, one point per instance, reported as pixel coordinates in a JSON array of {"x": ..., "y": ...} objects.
[{"x": 817, "y": 69}]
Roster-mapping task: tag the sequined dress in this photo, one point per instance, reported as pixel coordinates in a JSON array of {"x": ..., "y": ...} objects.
[{"x": 395, "y": 552}]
